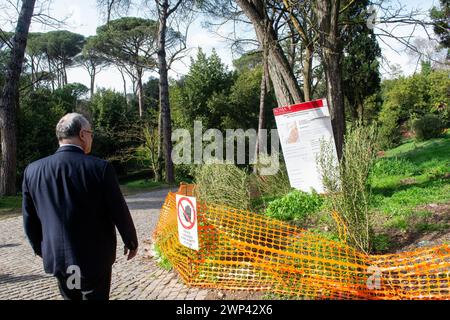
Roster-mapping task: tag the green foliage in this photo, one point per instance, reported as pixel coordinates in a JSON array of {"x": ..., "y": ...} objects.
[
  {"x": 69, "y": 96},
  {"x": 129, "y": 40},
  {"x": 245, "y": 99},
  {"x": 347, "y": 184},
  {"x": 39, "y": 113},
  {"x": 10, "y": 206},
  {"x": 381, "y": 243},
  {"x": 202, "y": 94},
  {"x": 10, "y": 203},
  {"x": 223, "y": 184},
  {"x": 424, "y": 164},
  {"x": 389, "y": 132},
  {"x": 162, "y": 260},
  {"x": 414, "y": 96},
  {"x": 147, "y": 153},
  {"x": 275, "y": 185},
  {"x": 219, "y": 98},
  {"x": 118, "y": 129},
  {"x": 296, "y": 205},
  {"x": 108, "y": 109},
  {"x": 427, "y": 127},
  {"x": 393, "y": 166},
  {"x": 360, "y": 74},
  {"x": 248, "y": 61},
  {"x": 62, "y": 45},
  {"x": 441, "y": 22},
  {"x": 151, "y": 93}
]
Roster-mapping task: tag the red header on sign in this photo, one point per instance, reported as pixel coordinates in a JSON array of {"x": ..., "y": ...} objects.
[{"x": 298, "y": 107}]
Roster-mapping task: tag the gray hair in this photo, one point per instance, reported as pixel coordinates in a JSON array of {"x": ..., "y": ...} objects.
[{"x": 70, "y": 126}]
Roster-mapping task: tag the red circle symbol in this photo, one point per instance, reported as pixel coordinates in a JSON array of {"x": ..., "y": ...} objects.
[{"x": 184, "y": 215}]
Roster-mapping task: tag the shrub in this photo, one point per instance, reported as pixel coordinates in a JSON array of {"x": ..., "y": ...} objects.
[
  {"x": 393, "y": 167},
  {"x": 427, "y": 127},
  {"x": 381, "y": 243},
  {"x": 348, "y": 185},
  {"x": 274, "y": 185},
  {"x": 296, "y": 205},
  {"x": 223, "y": 184},
  {"x": 389, "y": 131}
]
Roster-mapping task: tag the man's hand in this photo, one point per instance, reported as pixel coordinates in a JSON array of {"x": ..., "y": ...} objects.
[{"x": 131, "y": 253}]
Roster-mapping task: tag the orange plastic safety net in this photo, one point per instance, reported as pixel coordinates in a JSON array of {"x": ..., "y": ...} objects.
[{"x": 249, "y": 251}]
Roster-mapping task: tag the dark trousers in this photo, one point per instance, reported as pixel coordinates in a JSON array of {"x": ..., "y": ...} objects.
[{"x": 92, "y": 288}]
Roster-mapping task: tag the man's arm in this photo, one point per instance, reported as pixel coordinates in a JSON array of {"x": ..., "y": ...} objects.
[
  {"x": 31, "y": 222},
  {"x": 118, "y": 209}
]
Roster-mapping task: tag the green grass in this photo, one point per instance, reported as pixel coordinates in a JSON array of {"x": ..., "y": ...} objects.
[
  {"x": 162, "y": 260},
  {"x": 411, "y": 175},
  {"x": 141, "y": 185},
  {"x": 10, "y": 206}
]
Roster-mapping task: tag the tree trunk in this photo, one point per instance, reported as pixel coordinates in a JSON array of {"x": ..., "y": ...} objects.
[
  {"x": 336, "y": 101},
  {"x": 124, "y": 85},
  {"x": 8, "y": 101},
  {"x": 92, "y": 74},
  {"x": 160, "y": 160},
  {"x": 327, "y": 14},
  {"x": 264, "y": 88},
  {"x": 164, "y": 91},
  {"x": 140, "y": 92},
  {"x": 261, "y": 120},
  {"x": 307, "y": 72},
  {"x": 65, "y": 73},
  {"x": 284, "y": 83},
  {"x": 33, "y": 73},
  {"x": 50, "y": 71}
]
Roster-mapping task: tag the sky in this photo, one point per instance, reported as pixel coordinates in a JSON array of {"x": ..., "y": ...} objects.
[{"x": 83, "y": 17}]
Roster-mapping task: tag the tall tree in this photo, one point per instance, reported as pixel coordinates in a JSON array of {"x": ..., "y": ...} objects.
[
  {"x": 265, "y": 25},
  {"x": 35, "y": 54},
  {"x": 327, "y": 17},
  {"x": 165, "y": 10},
  {"x": 129, "y": 43},
  {"x": 92, "y": 61},
  {"x": 9, "y": 100},
  {"x": 360, "y": 74},
  {"x": 62, "y": 47},
  {"x": 441, "y": 23}
]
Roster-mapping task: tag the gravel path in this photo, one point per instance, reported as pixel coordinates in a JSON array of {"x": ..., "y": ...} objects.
[{"x": 22, "y": 276}]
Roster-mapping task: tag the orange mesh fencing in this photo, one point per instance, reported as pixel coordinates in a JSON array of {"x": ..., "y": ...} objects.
[{"x": 242, "y": 250}]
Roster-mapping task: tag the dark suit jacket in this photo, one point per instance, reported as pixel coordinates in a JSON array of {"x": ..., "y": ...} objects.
[{"x": 71, "y": 205}]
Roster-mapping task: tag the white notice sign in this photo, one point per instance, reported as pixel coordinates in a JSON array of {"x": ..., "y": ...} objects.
[
  {"x": 187, "y": 221},
  {"x": 301, "y": 128}
]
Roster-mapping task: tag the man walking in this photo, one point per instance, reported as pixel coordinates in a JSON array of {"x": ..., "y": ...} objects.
[{"x": 71, "y": 205}]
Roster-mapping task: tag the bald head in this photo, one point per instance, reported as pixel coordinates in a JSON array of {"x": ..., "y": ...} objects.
[
  {"x": 74, "y": 128},
  {"x": 70, "y": 126}
]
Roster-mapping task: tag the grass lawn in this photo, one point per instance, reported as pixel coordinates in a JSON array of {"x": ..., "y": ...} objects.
[
  {"x": 408, "y": 179},
  {"x": 10, "y": 207},
  {"x": 142, "y": 185}
]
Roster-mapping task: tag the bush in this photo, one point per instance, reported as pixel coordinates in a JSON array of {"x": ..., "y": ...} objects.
[
  {"x": 393, "y": 167},
  {"x": 389, "y": 130},
  {"x": 347, "y": 184},
  {"x": 223, "y": 184},
  {"x": 274, "y": 185},
  {"x": 381, "y": 243},
  {"x": 296, "y": 205},
  {"x": 427, "y": 127}
]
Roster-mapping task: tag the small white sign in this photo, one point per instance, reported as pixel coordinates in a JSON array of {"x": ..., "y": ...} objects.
[
  {"x": 187, "y": 221},
  {"x": 301, "y": 128}
]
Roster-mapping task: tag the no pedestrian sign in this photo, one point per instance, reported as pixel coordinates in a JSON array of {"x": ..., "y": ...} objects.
[{"x": 187, "y": 221}]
